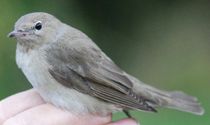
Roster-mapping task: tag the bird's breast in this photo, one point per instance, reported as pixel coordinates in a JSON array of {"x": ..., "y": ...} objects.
[
  {"x": 35, "y": 68},
  {"x": 33, "y": 65}
]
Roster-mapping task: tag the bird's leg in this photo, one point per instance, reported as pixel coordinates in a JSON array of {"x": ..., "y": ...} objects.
[{"x": 127, "y": 113}]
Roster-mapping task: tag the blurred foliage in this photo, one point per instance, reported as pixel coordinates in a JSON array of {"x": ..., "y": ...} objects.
[{"x": 164, "y": 43}]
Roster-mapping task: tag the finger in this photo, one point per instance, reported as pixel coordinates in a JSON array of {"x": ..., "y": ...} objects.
[
  {"x": 47, "y": 114},
  {"x": 125, "y": 122},
  {"x": 18, "y": 103}
]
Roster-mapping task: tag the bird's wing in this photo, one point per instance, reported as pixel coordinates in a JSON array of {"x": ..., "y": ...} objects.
[{"x": 87, "y": 69}]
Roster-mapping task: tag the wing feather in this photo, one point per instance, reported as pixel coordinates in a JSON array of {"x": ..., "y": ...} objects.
[{"x": 88, "y": 70}]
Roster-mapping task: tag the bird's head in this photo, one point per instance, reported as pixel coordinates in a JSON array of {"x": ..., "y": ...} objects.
[{"x": 35, "y": 28}]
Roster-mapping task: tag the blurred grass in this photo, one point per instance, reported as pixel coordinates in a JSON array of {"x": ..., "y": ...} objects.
[{"x": 164, "y": 43}]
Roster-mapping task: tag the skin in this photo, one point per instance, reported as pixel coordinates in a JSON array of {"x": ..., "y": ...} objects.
[{"x": 28, "y": 107}]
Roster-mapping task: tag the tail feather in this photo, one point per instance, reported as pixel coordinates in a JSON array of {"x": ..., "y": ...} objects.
[
  {"x": 175, "y": 100},
  {"x": 184, "y": 102}
]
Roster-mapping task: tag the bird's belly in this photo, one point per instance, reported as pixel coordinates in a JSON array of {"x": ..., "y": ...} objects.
[{"x": 36, "y": 71}]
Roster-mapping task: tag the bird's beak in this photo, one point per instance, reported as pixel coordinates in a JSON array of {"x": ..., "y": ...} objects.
[
  {"x": 16, "y": 33},
  {"x": 12, "y": 34}
]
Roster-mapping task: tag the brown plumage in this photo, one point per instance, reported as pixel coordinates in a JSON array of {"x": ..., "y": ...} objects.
[{"x": 70, "y": 71}]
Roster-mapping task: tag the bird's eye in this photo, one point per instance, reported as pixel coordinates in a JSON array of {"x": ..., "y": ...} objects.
[{"x": 38, "y": 26}]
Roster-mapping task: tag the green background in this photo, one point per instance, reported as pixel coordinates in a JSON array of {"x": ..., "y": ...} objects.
[{"x": 164, "y": 43}]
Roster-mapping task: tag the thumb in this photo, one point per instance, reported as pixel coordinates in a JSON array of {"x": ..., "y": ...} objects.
[{"x": 91, "y": 120}]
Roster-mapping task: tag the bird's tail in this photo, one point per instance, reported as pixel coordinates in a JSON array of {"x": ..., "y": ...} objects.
[{"x": 175, "y": 100}]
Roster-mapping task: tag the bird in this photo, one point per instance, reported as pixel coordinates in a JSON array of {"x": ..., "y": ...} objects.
[{"x": 71, "y": 72}]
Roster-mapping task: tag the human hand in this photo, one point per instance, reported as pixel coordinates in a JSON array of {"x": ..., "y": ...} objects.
[{"x": 28, "y": 108}]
